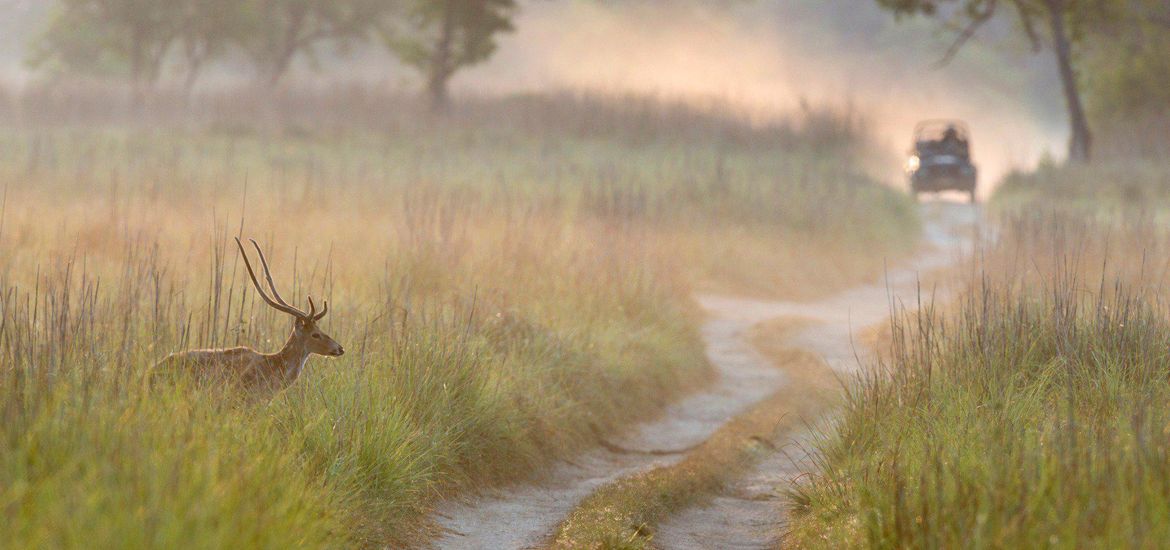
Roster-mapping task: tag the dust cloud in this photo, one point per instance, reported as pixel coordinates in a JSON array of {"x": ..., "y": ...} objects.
[{"x": 769, "y": 57}]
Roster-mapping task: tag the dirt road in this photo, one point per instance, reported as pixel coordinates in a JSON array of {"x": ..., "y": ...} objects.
[
  {"x": 744, "y": 517},
  {"x": 749, "y": 513}
]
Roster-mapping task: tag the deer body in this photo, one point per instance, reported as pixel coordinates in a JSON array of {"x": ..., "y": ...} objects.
[{"x": 249, "y": 368}]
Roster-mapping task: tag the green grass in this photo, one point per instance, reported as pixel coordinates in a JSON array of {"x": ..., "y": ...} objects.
[
  {"x": 508, "y": 283},
  {"x": 1115, "y": 188},
  {"x": 1030, "y": 413},
  {"x": 437, "y": 392},
  {"x": 626, "y": 512}
]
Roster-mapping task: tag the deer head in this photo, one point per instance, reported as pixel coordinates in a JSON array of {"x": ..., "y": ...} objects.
[{"x": 305, "y": 330}]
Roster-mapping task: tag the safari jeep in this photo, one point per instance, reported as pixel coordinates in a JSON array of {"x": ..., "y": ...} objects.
[{"x": 941, "y": 159}]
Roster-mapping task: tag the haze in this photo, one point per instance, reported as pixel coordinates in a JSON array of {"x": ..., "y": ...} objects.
[{"x": 768, "y": 57}]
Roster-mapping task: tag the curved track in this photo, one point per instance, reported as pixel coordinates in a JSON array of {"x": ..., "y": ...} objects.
[
  {"x": 746, "y": 515},
  {"x": 750, "y": 512}
]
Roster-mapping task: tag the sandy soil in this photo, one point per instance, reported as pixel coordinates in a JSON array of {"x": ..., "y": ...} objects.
[
  {"x": 745, "y": 517},
  {"x": 522, "y": 517},
  {"x": 750, "y": 512}
]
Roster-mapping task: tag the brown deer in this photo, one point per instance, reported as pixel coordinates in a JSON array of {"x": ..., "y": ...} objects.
[{"x": 248, "y": 367}]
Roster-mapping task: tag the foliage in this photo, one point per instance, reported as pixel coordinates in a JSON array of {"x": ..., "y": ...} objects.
[
  {"x": 71, "y": 43},
  {"x": 627, "y": 512},
  {"x": 1066, "y": 21},
  {"x": 1113, "y": 188},
  {"x": 207, "y": 29},
  {"x": 279, "y": 30},
  {"x": 509, "y": 283},
  {"x": 438, "y": 37},
  {"x": 1128, "y": 64},
  {"x": 1031, "y": 412},
  {"x": 89, "y": 33}
]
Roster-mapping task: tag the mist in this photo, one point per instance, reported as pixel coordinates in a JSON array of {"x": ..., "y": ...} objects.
[
  {"x": 767, "y": 57},
  {"x": 770, "y": 57}
]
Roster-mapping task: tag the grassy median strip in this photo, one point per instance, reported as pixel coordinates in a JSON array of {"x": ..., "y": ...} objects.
[{"x": 624, "y": 514}]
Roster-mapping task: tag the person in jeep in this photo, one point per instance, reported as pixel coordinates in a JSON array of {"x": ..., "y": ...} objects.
[
  {"x": 952, "y": 143},
  {"x": 940, "y": 159}
]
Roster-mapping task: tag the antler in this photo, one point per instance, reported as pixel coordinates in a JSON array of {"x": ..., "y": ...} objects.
[
  {"x": 313, "y": 310},
  {"x": 279, "y": 302}
]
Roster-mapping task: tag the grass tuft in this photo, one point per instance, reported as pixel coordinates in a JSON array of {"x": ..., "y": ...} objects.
[
  {"x": 1031, "y": 412},
  {"x": 509, "y": 282}
]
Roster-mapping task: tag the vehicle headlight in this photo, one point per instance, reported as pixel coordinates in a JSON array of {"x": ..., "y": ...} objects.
[{"x": 913, "y": 163}]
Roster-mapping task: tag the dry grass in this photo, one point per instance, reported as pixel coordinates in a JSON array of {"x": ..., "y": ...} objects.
[
  {"x": 1112, "y": 189},
  {"x": 1129, "y": 175},
  {"x": 625, "y": 513},
  {"x": 1030, "y": 411},
  {"x": 505, "y": 290}
]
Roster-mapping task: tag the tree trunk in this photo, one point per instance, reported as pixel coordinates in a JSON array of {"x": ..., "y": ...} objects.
[
  {"x": 193, "y": 67},
  {"x": 1080, "y": 140},
  {"x": 137, "y": 62},
  {"x": 196, "y": 53},
  {"x": 438, "y": 96},
  {"x": 440, "y": 70},
  {"x": 290, "y": 44},
  {"x": 278, "y": 68}
]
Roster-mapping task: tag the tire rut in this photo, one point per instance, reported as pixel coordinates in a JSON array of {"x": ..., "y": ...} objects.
[
  {"x": 523, "y": 516},
  {"x": 751, "y": 512}
]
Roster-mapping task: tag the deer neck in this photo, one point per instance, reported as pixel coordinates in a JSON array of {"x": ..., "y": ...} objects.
[{"x": 292, "y": 357}]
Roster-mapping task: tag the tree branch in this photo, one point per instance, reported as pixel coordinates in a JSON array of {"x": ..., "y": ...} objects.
[{"x": 977, "y": 20}]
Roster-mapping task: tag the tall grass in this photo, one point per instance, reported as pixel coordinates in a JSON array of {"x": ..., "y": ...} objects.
[
  {"x": 1031, "y": 413},
  {"x": 725, "y": 188},
  {"x": 1109, "y": 188},
  {"x": 505, "y": 296},
  {"x": 1129, "y": 173}
]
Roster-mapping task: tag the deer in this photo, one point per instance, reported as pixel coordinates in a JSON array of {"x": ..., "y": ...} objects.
[{"x": 249, "y": 368}]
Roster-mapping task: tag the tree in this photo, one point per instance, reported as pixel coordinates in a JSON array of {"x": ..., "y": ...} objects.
[
  {"x": 206, "y": 30},
  {"x": 439, "y": 37},
  {"x": 1129, "y": 64},
  {"x": 279, "y": 30},
  {"x": 136, "y": 32},
  {"x": 1065, "y": 20},
  {"x": 73, "y": 42}
]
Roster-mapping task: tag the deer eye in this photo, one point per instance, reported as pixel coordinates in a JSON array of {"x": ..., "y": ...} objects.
[{"x": 317, "y": 336}]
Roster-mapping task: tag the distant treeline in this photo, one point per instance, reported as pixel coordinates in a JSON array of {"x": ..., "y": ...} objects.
[
  {"x": 135, "y": 38},
  {"x": 1113, "y": 55}
]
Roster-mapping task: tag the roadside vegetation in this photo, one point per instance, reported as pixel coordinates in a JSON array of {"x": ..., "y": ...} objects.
[
  {"x": 1030, "y": 407},
  {"x": 1130, "y": 177},
  {"x": 1031, "y": 410},
  {"x": 509, "y": 281},
  {"x": 1117, "y": 187},
  {"x": 626, "y": 513},
  {"x": 1129, "y": 184}
]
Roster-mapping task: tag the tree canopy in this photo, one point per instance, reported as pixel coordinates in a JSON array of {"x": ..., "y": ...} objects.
[
  {"x": 1059, "y": 24},
  {"x": 438, "y": 37},
  {"x": 108, "y": 35},
  {"x": 136, "y": 37}
]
